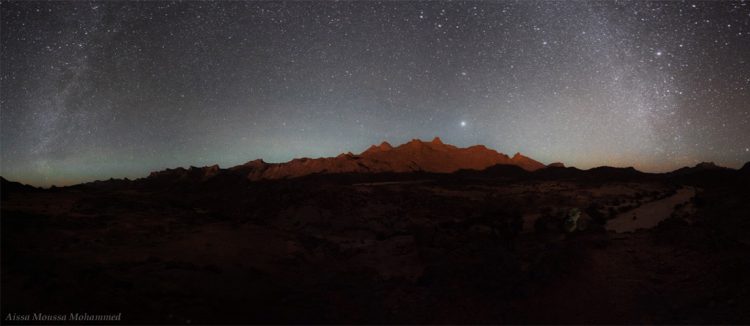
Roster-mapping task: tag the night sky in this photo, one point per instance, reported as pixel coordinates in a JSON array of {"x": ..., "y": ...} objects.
[{"x": 93, "y": 90}]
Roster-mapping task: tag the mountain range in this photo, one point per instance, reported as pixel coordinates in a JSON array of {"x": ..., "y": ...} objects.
[{"x": 413, "y": 156}]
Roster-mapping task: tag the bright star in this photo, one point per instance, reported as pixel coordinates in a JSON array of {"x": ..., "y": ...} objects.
[{"x": 463, "y": 123}]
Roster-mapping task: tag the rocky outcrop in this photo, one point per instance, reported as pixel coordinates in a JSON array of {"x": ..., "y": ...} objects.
[
  {"x": 700, "y": 167},
  {"x": 526, "y": 163},
  {"x": 413, "y": 156}
]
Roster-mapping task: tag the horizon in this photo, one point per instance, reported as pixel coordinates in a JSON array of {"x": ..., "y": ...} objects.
[
  {"x": 99, "y": 90},
  {"x": 145, "y": 174}
]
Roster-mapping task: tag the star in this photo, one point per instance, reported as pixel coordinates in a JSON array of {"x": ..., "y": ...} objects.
[{"x": 623, "y": 78}]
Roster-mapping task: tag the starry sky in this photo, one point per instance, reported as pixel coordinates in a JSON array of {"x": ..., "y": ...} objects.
[{"x": 93, "y": 90}]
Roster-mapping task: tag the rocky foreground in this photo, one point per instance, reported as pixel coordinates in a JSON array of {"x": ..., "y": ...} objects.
[{"x": 501, "y": 245}]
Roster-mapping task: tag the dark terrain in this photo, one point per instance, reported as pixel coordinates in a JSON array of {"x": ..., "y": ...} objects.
[{"x": 207, "y": 245}]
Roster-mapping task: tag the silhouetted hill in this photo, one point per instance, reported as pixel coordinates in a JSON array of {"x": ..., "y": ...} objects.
[
  {"x": 603, "y": 173},
  {"x": 706, "y": 174},
  {"x": 499, "y": 171},
  {"x": 613, "y": 173},
  {"x": 8, "y": 187},
  {"x": 700, "y": 167}
]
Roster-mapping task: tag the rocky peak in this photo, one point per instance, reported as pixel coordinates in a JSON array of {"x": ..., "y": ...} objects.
[
  {"x": 413, "y": 144},
  {"x": 707, "y": 166},
  {"x": 258, "y": 162},
  {"x": 383, "y": 147},
  {"x": 415, "y": 155},
  {"x": 526, "y": 162},
  {"x": 209, "y": 171},
  {"x": 345, "y": 155}
]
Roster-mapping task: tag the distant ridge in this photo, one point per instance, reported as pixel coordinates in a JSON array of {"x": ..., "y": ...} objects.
[
  {"x": 414, "y": 156},
  {"x": 385, "y": 159},
  {"x": 8, "y": 187},
  {"x": 698, "y": 168}
]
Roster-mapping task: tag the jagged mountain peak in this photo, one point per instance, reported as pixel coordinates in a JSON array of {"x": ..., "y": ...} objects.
[
  {"x": 414, "y": 155},
  {"x": 526, "y": 162},
  {"x": 383, "y": 147}
]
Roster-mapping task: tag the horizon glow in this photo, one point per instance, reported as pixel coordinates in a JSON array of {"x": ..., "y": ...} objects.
[{"x": 99, "y": 90}]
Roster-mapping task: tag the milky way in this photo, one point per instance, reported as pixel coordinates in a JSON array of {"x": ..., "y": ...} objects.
[{"x": 94, "y": 90}]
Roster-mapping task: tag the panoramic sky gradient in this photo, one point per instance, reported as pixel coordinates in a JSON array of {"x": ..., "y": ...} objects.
[{"x": 93, "y": 90}]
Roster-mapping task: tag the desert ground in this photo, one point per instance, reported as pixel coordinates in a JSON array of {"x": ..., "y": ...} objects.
[{"x": 471, "y": 247}]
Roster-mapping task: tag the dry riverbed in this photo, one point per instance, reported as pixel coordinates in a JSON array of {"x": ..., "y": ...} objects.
[{"x": 650, "y": 214}]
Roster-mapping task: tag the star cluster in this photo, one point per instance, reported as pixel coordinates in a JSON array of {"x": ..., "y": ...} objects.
[{"x": 92, "y": 90}]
